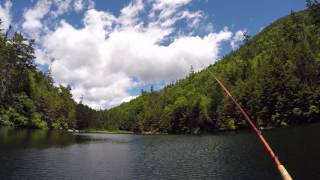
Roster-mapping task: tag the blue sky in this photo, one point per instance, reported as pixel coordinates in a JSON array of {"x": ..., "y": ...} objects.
[{"x": 108, "y": 50}]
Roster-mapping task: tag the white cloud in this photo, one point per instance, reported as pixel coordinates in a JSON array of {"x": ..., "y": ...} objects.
[
  {"x": 163, "y": 4},
  {"x": 192, "y": 17},
  {"x": 32, "y": 17},
  {"x": 35, "y": 21},
  {"x": 110, "y": 55},
  {"x": 237, "y": 39},
  {"x": 167, "y": 12},
  {"x": 66, "y": 6},
  {"x": 42, "y": 57},
  {"x": 129, "y": 14},
  {"x": 5, "y": 14}
]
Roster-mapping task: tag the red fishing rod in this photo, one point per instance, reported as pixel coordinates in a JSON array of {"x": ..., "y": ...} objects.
[{"x": 284, "y": 173}]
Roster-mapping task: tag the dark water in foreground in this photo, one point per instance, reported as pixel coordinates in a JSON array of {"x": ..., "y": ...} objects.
[{"x": 35, "y": 154}]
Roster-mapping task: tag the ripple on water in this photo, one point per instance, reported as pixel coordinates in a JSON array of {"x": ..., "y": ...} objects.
[{"x": 58, "y": 155}]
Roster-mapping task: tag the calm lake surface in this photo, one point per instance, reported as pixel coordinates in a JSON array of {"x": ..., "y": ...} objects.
[{"x": 36, "y": 154}]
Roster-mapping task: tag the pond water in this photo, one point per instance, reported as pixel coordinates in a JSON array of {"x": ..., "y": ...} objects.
[{"x": 36, "y": 154}]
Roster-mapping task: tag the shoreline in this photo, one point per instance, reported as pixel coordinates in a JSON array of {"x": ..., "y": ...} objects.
[
  {"x": 105, "y": 131},
  {"x": 262, "y": 129}
]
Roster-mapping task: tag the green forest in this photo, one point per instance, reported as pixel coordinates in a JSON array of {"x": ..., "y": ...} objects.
[
  {"x": 275, "y": 76},
  {"x": 28, "y": 96}
]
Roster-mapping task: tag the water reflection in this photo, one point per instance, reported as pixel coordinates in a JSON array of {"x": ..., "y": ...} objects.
[
  {"x": 11, "y": 138},
  {"x": 36, "y": 154}
]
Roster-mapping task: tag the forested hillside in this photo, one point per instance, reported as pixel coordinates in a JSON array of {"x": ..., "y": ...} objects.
[{"x": 275, "y": 75}]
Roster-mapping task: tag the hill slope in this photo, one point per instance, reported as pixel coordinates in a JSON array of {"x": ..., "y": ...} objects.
[{"x": 275, "y": 75}]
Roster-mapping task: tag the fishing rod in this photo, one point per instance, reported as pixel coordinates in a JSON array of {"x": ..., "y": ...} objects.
[{"x": 282, "y": 170}]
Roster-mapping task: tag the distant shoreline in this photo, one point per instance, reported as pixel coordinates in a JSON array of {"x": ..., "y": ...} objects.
[
  {"x": 106, "y": 132},
  {"x": 160, "y": 133},
  {"x": 116, "y": 132},
  {"x": 263, "y": 129}
]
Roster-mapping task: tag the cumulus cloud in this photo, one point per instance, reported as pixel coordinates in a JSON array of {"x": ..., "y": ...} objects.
[
  {"x": 237, "y": 39},
  {"x": 5, "y": 14},
  {"x": 112, "y": 54}
]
